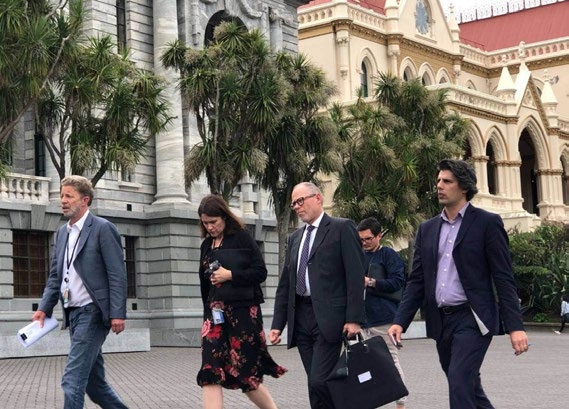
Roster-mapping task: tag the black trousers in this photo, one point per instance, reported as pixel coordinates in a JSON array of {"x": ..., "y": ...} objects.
[
  {"x": 318, "y": 355},
  {"x": 461, "y": 351}
]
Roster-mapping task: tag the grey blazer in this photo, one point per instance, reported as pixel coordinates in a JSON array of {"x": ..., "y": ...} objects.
[{"x": 100, "y": 264}]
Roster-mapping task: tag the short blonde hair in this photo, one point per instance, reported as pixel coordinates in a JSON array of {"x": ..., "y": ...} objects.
[{"x": 81, "y": 184}]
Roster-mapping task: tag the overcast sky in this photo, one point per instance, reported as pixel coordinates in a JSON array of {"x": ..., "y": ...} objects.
[{"x": 462, "y": 4}]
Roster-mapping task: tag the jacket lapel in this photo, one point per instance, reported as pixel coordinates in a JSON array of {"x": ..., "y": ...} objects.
[
  {"x": 467, "y": 221},
  {"x": 294, "y": 249},
  {"x": 436, "y": 233},
  {"x": 321, "y": 232},
  {"x": 85, "y": 232},
  {"x": 62, "y": 237}
]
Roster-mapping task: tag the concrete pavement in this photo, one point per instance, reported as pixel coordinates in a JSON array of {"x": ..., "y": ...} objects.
[{"x": 165, "y": 378}]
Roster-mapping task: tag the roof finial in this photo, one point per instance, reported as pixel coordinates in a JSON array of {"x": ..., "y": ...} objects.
[{"x": 522, "y": 55}]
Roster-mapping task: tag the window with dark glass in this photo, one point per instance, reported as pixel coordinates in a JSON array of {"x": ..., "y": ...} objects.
[
  {"x": 363, "y": 81},
  {"x": 30, "y": 254},
  {"x": 130, "y": 264},
  {"x": 491, "y": 170},
  {"x": 121, "y": 25},
  {"x": 39, "y": 155}
]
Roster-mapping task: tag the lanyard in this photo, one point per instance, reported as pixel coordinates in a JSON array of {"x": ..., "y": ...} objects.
[{"x": 69, "y": 260}]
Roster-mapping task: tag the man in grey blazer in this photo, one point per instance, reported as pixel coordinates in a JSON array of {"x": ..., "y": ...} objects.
[
  {"x": 87, "y": 274},
  {"x": 462, "y": 277},
  {"x": 320, "y": 295}
]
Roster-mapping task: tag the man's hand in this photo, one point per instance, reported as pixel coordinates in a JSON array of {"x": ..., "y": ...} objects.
[
  {"x": 39, "y": 316},
  {"x": 117, "y": 325},
  {"x": 351, "y": 329},
  {"x": 396, "y": 331},
  {"x": 275, "y": 336},
  {"x": 519, "y": 340}
]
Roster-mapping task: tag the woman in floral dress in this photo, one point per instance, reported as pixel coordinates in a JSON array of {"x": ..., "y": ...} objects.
[{"x": 234, "y": 349}]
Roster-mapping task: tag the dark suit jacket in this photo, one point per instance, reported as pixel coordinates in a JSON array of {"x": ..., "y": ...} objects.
[
  {"x": 482, "y": 257},
  {"x": 336, "y": 275},
  {"x": 99, "y": 261}
]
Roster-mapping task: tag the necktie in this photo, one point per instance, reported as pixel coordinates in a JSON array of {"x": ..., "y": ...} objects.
[{"x": 301, "y": 274}]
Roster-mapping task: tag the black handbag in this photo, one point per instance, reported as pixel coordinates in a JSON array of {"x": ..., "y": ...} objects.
[
  {"x": 232, "y": 259},
  {"x": 378, "y": 273},
  {"x": 365, "y": 376}
]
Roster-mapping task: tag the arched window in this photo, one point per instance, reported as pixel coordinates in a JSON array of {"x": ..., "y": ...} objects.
[
  {"x": 364, "y": 81},
  {"x": 216, "y": 20},
  {"x": 565, "y": 180},
  {"x": 491, "y": 170}
]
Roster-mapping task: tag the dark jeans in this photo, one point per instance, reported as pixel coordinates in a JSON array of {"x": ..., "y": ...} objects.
[{"x": 85, "y": 369}]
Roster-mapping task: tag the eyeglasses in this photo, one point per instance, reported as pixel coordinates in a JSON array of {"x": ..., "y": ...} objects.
[
  {"x": 367, "y": 239},
  {"x": 300, "y": 200}
]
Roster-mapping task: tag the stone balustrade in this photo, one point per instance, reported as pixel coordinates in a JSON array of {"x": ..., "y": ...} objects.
[
  {"x": 337, "y": 11},
  {"x": 17, "y": 187},
  {"x": 472, "y": 98},
  {"x": 554, "y": 48}
]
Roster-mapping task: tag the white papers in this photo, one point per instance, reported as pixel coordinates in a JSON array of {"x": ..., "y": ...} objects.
[{"x": 32, "y": 332}]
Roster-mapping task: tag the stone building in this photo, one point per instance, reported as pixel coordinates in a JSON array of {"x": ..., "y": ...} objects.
[
  {"x": 154, "y": 212},
  {"x": 504, "y": 67},
  {"x": 503, "y": 71}
]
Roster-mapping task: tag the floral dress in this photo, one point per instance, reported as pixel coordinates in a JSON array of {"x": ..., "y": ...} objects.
[{"x": 234, "y": 353}]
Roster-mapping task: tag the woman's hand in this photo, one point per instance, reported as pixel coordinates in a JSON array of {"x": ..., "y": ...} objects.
[{"x": 220, "y": 276}]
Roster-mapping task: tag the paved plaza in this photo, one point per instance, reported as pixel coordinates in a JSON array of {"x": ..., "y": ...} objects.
[{"x": 165, "y": 378}]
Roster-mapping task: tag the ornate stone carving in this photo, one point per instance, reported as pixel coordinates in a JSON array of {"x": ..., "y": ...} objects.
[{"x": 280, "y": 16}]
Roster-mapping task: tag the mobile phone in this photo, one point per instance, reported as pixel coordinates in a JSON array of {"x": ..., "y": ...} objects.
[{"x": 394, "y": 341}]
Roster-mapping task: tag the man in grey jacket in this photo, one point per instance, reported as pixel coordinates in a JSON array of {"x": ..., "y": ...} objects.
[{"x": 87, "y": 274}]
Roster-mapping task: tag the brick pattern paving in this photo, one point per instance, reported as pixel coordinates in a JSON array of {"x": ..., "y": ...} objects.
[{"x": 165, "y": 378}]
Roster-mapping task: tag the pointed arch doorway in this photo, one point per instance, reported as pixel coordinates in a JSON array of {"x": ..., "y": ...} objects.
[{"x": 529, "y": 180}]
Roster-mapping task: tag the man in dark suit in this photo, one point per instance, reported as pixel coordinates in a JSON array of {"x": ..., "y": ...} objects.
[
  {"x": 462, "y": 276},
  {"x": 87, "y": 274},
  {"x": 320, "y": 295}
]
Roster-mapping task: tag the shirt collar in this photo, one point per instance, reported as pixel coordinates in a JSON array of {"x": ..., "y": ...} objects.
[
  {"x": 79, "y": 223},
  {"x": 460, "y": 212},
  {"x": 317, "y": 221}
]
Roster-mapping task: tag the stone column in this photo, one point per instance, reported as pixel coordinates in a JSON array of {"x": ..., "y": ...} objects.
[
  {"x": 170, "y": 186},
  {"x": 342, "y": 42},
  {"x": 480, "y": 163}
]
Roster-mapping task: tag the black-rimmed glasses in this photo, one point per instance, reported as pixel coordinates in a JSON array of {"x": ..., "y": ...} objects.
[{"x": 300, "y": 200}]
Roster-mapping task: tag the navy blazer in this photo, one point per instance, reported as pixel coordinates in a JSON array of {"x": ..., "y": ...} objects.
[
  {"x": 336, "y": 274},
  {"x": 99, "y": 261},
  {"x": 482, "y": 257}
]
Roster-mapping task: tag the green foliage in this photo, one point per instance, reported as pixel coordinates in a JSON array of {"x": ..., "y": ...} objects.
[
  {"x": 257, "y": 114},
  {"x": 390, "y": 152},
  {"x": 36, "y": 38},
  {"x": 102, "y": 110},
  {"x": 238, "y": 96},
  {"x": 540, "y": 317},
  {"x": 541, "y": 266}
]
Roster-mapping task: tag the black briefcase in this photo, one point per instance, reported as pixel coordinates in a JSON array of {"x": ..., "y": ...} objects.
[{"x": 365, "y": 376}]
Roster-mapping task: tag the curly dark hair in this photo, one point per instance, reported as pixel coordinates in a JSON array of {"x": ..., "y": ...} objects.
[
  {"x": 464, "y": 174},
  {"x": 371, "y": 224}
]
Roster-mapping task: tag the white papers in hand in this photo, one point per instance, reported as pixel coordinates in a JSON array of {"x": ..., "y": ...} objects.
[{"x": 32, "y": 332}]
